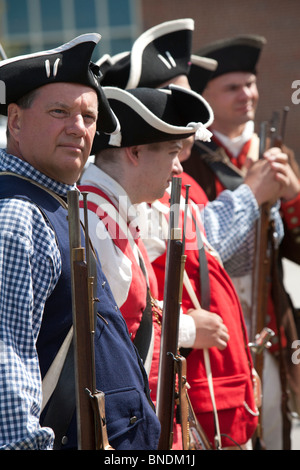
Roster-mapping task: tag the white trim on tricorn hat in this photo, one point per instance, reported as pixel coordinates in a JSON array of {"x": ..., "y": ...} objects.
[
  {"x": 70, "y": 62},
  {"x": 88, "y": 37},
  {"x": 200, "y": 72},
  {"x": 204, "y": 62},
  {"x": 157, "y": 55},
  {"x": 111, "y": 60},
  {"x": 150, "y": 36},
  {"x": 149, "y": 115}
]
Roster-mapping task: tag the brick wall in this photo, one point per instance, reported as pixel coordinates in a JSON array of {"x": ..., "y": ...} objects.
[{"x": 277, "y": 20}]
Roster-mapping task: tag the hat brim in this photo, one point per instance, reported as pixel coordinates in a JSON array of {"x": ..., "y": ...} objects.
[
  {"x": 69, "y": 63},
  {"x": 149, "y": 115}
]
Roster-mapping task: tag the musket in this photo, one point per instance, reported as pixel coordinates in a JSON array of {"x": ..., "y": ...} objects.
[
  {"x": 261, "y": 267},
  {"x": 278, "y": 141},
  {"x": 172, "y": 366},
  {"x": 90, "y": 403},
  {"x": 260, "y": 335},
  {"x": 170, "y": 322},
  {"x": 263, "y": 251},
  {"x": 277, "y": 136}
]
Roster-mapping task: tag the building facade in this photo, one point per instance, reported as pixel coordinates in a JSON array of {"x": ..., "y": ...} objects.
[
  {"x": 279, "y": 66},
  {"x": 31, "y": 25}
]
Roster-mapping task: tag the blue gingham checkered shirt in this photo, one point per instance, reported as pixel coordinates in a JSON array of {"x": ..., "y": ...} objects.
[
  {"x": 30, "y": 266},
  {"x": 229, "y": 222}
]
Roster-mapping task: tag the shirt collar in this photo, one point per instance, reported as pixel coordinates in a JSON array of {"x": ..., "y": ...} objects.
[
  {"x": 94, "y": 176},
  {"x": 236, "y": 144},
  {"x": 20, "y": 167}
]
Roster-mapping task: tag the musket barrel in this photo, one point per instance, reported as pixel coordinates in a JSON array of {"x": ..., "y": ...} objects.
[
  {"x": 262, "y": 138},
  {"x": 74, "y": 219},
  {"x": 170, "y": 322},
  {"x": 83, "y": 329},
  {"x": 283, "y": 122}
]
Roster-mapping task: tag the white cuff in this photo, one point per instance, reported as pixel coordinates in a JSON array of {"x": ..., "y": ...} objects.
[{"x": 187, "y": 331}]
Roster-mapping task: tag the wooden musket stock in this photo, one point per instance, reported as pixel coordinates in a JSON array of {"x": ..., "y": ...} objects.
[
  {"x": 263, "y": 259},
  {"x": 170, "y": 323},
  {"x": 264, "y": 241},
  {"x": 172, "y": 365},
  {"x": 260, "y": 285},
  {"x": 277, "y": 140},
  {"x": 261, "y": 269},
  {"x": 90, "y": 406}
]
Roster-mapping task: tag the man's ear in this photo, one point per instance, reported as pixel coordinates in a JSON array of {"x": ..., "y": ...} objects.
[
  {"x": 132, "y": 154},
  {"x": 14, "y": 120}
]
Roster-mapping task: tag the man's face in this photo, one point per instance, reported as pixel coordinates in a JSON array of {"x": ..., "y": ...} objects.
[
  {"x": 233, "y": 98},
  {"x": 55, "y": 134},
  {"x": 158, "y": 163}
]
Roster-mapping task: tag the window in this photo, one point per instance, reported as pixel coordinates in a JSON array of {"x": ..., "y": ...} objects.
[
  {"x": 51, "y": 15},
  {"x": 31, "y": 25},
  {"x": 17, "y": 16},
  {"x": 119, "y": 12},
  {"x": 85, "y": 14}
]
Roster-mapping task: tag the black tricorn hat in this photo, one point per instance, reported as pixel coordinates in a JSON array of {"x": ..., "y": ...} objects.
[
  {"x": 157, "y": 55},
  {"x": 149, "y": 115},
  {"x": 70, "y": 63},
  {"x": 202, "y": 68},
  {"x": 238, "y": 54}
]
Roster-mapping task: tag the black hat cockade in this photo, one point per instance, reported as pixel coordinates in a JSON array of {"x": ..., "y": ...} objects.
[
  {"x": 238, "y": 54},
  {"x": 70, "y": 63},
  {"x": 158, "y": 55},
  {"x": 149, "y": 115},
  {"x": 202, "y": 69}
]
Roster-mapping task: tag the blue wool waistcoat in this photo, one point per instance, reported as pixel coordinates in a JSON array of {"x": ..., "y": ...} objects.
[{"x": 119, "y": 372}]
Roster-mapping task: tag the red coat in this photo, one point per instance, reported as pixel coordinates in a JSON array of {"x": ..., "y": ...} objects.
[{"x": 231, "y": 368}]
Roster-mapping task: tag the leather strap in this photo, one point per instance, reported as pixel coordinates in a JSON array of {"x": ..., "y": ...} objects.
[
  {"x": 204, "y": 279},
  {"x": 227, "y": 174},
  {"x": 203, "y": 270},
  {"x": 230, "y": 176},
  {"x": 52, "y": 376},
  {"x": 63, "y": 402},
  {"x": 143, "y": 337}
]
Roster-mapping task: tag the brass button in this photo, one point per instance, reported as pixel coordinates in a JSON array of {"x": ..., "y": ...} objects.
[
  {"x": 294, "y": 220},
  {"x": 133, "y": 419}
]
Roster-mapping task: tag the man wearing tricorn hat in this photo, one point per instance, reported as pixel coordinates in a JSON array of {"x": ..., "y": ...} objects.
[
  {"x": 54, "y": 104},
  {"x": 222, "y": 164},
  {"x": 130, "y": 168},
  {"x": 157, "y": 52}
]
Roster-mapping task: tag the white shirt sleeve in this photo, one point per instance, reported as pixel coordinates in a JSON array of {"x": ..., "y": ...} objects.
[
  {"x": 112, "y": 259},
  {"x": 187, "y": 331}
]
